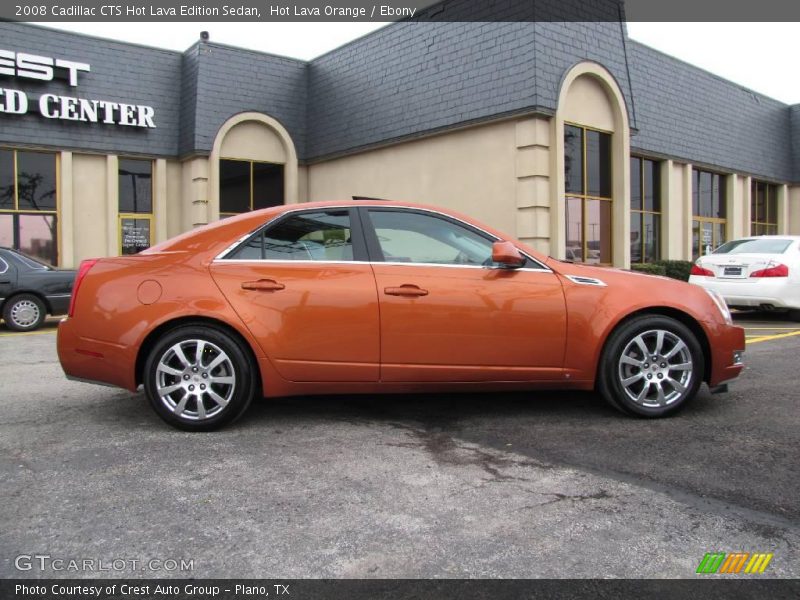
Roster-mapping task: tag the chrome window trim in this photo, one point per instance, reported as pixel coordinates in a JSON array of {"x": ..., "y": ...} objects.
[
  {"x": 221, "y": 256},
  {"x": 3, "y": 265},
  {"x": 364, "y": 262}
]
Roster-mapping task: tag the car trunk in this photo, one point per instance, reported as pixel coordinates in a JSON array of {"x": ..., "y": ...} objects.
[{"x": 738, "y": 267}]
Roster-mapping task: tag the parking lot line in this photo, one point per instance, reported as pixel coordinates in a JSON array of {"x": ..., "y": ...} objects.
[
  {"x": 16, "y": 333},
  {"x": 777, "y": 336},
  {"x": 770, "y": 328}
]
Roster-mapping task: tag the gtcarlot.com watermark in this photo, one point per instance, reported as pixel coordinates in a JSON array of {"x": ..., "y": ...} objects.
[{"x": 46, "y": 562}]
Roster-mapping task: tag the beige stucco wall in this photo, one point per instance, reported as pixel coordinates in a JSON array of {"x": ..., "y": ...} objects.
[
  {"x": 793, "y": 209},
  {"x": 174, "y": 200},
  {"x": 253, "y": 140},
  {"x": 586, "y": 103},
  {"x": 471, "y": 170},
  {"x": 90, "y": 208},
  {"x": 194, "y": 193},
  {"x": 534, "y": 142}
]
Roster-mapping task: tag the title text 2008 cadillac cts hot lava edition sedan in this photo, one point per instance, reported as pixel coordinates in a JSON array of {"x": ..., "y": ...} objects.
[{"x": 371, "y": 297}]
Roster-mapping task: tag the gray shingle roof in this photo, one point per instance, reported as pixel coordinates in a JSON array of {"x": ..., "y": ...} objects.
[{"x": 401, "y": 81}]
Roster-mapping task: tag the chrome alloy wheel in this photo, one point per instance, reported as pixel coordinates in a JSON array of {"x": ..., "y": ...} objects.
[
  {"x": 25, "y": 313},
  {"x": 195, "y": 379},
  {"x": 655, "y": 368}
]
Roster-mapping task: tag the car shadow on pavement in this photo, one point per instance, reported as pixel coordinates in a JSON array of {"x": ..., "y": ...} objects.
[
  {"x": 426, "y": 409},
  {"x": 564, "y": 407}
]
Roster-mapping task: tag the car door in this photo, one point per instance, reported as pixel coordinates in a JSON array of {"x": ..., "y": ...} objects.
[
  {"x": 449, "y": 314},
  {"x": 8, "y": 278},
  {"x": 304, "y": 289}
]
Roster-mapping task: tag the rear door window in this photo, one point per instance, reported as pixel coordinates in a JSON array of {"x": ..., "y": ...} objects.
[{"x": 322, "y": 235}]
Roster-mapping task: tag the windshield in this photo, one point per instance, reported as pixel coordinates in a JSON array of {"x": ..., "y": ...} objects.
[{"x": 755, "y": 246}]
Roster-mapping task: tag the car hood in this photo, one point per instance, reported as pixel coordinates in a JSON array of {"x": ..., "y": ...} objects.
[{"x": 612, "y": 276}]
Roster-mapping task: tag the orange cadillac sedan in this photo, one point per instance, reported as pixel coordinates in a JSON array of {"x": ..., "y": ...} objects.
[{"x": 382, "y": 297}]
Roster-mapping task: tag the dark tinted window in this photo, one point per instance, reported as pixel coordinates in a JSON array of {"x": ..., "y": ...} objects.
[
  {"x": 36, "y": 180},
  {"x": 651, "y": 177},
  {"x": 234, "y": 186},
  {"x": 249, "y": 185},
  {"x": 573, "y": 159},
  {"x": 636, "y": 183},
  {"x": 708, "y": 195},
  {"x": 7, "y": 180},
  {"x": 598, "y": 163},
  {"x": 763, "y": 208},
  {"x": 267, "y": 185},
  {"x": 135, "y": 186},
  {"x": 319, "y": 235}
]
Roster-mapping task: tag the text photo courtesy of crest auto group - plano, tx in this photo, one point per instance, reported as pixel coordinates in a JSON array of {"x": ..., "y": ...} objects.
[{"x": 409, "y": 300}]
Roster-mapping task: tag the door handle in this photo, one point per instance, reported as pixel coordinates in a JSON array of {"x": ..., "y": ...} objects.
[
  {"x": 263, "y": 285},
  {"x": 405, "y": 290}
]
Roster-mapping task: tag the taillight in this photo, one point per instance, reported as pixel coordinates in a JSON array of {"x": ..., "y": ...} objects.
[
  {"x": 701, "y": 271},
  {"x": 779, "y": 270},
  {"x": 83, "y": 269}
]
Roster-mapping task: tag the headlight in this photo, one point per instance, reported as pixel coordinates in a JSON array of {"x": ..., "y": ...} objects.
[{"x": 720, "y": 302}]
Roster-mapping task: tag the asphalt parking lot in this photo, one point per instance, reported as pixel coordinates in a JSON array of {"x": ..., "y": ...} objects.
[{"x": 500, "y": 485}]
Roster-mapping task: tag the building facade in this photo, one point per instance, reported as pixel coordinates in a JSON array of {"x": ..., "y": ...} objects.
[{"x": 570, "y": 136}]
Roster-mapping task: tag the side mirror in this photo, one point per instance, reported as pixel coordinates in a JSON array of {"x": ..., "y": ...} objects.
[{"x": 506, "y": 255}]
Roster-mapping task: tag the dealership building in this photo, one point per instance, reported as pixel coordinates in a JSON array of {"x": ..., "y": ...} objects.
[{"x": 569, "y": 136}]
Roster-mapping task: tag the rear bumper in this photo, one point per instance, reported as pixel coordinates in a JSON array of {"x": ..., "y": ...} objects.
[
  {"x": 59, "y": 304},
  {"x": 780, "y": 292},
  {"x": 94, "y": 361}
]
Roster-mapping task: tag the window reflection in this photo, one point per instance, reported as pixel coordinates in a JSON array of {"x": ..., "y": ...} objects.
[
  {"x": 587, "y": 171},
  {"x": 763, "y": 208},
  {"x": 28, "y": 192},
  {"x": 709, "y": 210},
  {"x": 645, "y": 210}
]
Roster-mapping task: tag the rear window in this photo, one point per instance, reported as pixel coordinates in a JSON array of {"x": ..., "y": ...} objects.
[
  {"x": 30, "y": 262},
  {"x": 755, "y": 246}
]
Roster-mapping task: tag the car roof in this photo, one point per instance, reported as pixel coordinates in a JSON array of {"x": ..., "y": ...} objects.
[
  {"x": 773, "y": 236},
  {"x": 212, "y": 238}
]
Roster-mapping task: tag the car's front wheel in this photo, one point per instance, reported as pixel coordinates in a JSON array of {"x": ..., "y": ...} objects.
[
  {"x": 25, "y": 312},
  {"x": 199, "y": 378},
  {"x": 651, "y": 366}
]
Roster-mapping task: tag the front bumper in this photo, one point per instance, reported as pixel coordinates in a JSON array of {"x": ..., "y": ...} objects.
[{"x": 727, "y": 344}]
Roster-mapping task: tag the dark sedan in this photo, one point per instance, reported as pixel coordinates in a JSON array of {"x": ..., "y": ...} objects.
[{"x": 30, "y": 290}]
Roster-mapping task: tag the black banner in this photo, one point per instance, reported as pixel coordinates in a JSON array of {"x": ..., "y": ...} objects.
[
  {"x": 393, "y": 10},
  {"x": 407, "y": 589}
]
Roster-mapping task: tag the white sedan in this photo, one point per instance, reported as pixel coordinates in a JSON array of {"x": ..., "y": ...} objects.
[{"x": 760, "y": 272}]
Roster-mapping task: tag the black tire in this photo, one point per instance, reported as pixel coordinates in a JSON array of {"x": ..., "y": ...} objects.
[
  {"x": 619, "y": 379},
  {"x": 200, "y": 411},
  {"x": 24, "y": 312}
]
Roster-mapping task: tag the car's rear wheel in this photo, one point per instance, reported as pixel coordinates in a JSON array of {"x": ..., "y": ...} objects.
[
  {"x": 199, "y": 378},
  {"x": 651, "y": 366},
  {"x": 25, "y": 312}
]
